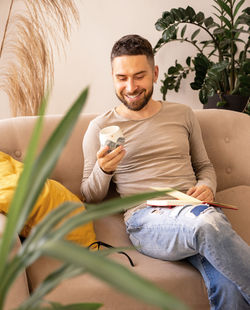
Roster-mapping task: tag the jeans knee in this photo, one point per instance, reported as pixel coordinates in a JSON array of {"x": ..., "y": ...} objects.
[{"x": 212, "y": 222}]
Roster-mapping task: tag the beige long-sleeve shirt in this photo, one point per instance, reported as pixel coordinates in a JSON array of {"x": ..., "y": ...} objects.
[{"x": 165, "y": 150}]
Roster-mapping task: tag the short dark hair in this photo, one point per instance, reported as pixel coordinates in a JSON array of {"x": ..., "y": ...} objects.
[{"x": 131, "y": 45}]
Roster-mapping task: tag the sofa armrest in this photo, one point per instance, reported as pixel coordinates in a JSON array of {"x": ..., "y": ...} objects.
[{"x": 19, "y": 291}]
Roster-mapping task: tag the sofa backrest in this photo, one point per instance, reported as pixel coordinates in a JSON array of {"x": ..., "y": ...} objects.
[
  {"x": 15, "y": 134},
  {"x": 226, "y": 136}
]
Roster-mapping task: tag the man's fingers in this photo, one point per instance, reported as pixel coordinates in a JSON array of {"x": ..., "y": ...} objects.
[
  {"x": 203, "y": 196},
  {"x": 109, "y": 161},
  {"x": 206, "y": 194},
  {"x": 102, "y": 152},
  {"x": 191, "y": 191},
  {"x": 112, "y": 164},
  {"x": 115, "y": 152},
  {"x": 202, "y": 193}
]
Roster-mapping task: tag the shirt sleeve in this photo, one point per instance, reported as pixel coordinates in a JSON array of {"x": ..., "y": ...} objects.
[
  {"x": 203, "y": 168},
  {"x": 95, "y": 182}
]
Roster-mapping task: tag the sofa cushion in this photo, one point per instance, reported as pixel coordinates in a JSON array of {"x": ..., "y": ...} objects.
[
  {"x": 240, "y": 197},
  {"x": 52, "y": 196}
]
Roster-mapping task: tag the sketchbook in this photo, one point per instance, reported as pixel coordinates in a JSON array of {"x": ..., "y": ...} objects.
[{"x": 182, "y": 199}]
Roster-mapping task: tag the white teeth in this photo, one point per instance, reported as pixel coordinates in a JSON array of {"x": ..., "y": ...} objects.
[{"x": 132, "y": 97}]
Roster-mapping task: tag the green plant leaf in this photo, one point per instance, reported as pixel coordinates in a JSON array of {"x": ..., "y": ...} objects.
[
  {"x": 246, "y": 66},
  {"x": 183, "y": 14},
  {"x": 247, "y": 10},
  {"x": 161, "y": 24},
  {"x": 195, "y": 34},
  {"x": 183, "y": 31},
  {"x": 243, "y": 19},
  {"x": 245, "y": 91},
  {"x": 200, "y": 18},
  {"x": 225, "y": 7},
  {"x": 219, "y": 31},
  {"x": 191, "y": 13},
  {"x": 218, "y": 67},
  {"x": 176, "y": 14},
  {"x": 218, "y": 16},
  {"x": 52, "y": 280},
  {"x": 172, "y": 70},
  {"x": 31, "y": 182},
  {"x": 78, "y": 306},
  {"x": 47, "y": 224},
  {"x": 49, "y": 155},
  {"x": 158, "y": 45},
  {"x": 188, "y": 61},
  {"x": 203, "y": 96},
  {"x": 221, "y": 104},
  {"x": 195, "y": 86},
  {"x": 226, "y": 21},
  {"x": 238, "y": 6},
  {"x": 208, "y": 21},
  {"x": 169, "y": 34},
  {"x": 211, "y": 92},
  {"x": 247, "y": 108},
  {"x": 201, "y": 64},
  {"x": 212, "y": 53},
  {"x": 217, "y": 9},
  {"x": 96, "y": 211},
  {"x": 165, "y": 14},
  {"x": 20, "y": 194},
  {"x": 122, "y": 278}
]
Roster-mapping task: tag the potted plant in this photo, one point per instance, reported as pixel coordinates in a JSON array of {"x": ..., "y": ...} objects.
[{"x": 221, "y": 65}]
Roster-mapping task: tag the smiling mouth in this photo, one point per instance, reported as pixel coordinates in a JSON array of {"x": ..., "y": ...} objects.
[{"x": 134, "y": 96}]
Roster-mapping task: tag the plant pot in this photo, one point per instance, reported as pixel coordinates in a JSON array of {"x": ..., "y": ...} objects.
[{"x": 233, "y": 102}]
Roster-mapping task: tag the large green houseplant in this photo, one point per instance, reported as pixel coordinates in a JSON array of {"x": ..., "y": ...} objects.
[
  {"x": 47, "y": 238},
  {"x": 222, "y": 63}
]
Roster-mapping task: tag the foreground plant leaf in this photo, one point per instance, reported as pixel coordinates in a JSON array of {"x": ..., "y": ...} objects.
[
  {"x": 122, "y": 279},
  {"x": 78, "y": 306},
  {"x": 32, "y": 180}
]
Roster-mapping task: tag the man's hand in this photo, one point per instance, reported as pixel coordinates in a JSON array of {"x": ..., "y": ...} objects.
[
  {"x": 201, "y": 192},
  {"x": 108, "y": 162}
]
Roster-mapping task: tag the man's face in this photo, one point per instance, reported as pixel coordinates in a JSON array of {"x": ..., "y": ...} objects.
[{"x": 133, "y": 78}]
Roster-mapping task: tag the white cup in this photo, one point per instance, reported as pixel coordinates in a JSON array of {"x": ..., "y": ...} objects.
[{"x": 111, "y": 136}]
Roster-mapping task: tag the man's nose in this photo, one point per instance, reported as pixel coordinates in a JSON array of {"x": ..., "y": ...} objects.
[{"x": 131, "y": 86}]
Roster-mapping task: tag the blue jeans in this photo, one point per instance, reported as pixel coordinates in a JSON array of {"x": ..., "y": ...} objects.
[{"x": 203, "y": 235}]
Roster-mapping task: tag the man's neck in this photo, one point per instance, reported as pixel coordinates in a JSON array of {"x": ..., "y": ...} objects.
[{"x": 149, "y": 110}]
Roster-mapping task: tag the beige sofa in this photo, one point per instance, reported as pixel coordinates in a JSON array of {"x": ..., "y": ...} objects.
[{"x": 227, "y": 138}]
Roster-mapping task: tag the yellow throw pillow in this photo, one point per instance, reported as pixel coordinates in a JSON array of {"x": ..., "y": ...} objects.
[{"x": 52, "y": 196}]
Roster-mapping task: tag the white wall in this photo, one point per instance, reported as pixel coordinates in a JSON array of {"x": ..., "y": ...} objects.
[{"x": 87, "y": 55}]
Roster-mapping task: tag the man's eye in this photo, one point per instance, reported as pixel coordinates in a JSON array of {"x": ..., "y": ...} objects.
[
  {"x": 139, "y": 77},
  {"x": 121, "y": 79}
]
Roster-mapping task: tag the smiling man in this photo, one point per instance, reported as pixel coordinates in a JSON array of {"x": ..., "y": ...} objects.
[
  {"x": 163, "y": 147},
  {"x": 134, "y": 77}
]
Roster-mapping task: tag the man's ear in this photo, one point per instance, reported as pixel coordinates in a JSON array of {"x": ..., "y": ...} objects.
[{"x": 156, "y": 73}]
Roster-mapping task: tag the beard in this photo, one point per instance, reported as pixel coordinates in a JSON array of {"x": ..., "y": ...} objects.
[{"x": 140, "y": 103}]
